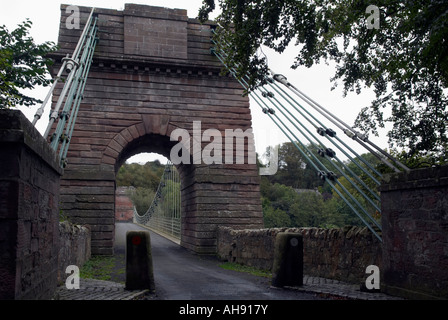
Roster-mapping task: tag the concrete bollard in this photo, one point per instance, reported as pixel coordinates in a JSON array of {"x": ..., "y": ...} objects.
[
  {"x": 139, "y": 269},
  {"x": 287, "y": 269}
]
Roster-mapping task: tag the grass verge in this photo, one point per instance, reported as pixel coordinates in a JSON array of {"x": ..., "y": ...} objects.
[
  {"x": 98, "y": 267},
  {"x": 247, "y": 269}
]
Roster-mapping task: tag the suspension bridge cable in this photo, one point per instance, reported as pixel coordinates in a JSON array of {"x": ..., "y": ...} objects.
[
  {"x": 234, "y": 73},
  {"x": 322, "y": 173},
  {"x": 325, "y": 177},
  {"x": 41, "y": 109},
  {"x": 79, "y": 96},
  {"x": 164, "y": 212},
  {"x": 75, "y": 86},
  {"x": 323, "y": 166},
  {"x": 71, "y": 107},
  {"x": 71, "y": 66},
  {"x": 329, "y": 152},
  {"x": 332, "y": 136},
  {"x": 268, "y": 95},
  {"x": 349, "y": 131},
  {"x": 259, "y": 101},
  {"x": 77, "y": 66},
  {"x": 330, "y": 156}
]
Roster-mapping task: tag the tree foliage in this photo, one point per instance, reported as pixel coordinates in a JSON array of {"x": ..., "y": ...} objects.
[
  {"x": 23, "y": 65},
  {"x": 405, "y": 60},
  {"x": 284, "y": 206},
  {"x": 297, "y": 197},
  {"x": 140, "y": 176},
  {"x": 141, "y": 198},
  {"x": 293, "y": 169},
  {"x": 144, "y": 178},
  {"x": 170, "y": 194}
]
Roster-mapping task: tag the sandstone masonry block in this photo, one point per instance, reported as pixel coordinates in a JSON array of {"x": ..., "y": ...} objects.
[
  {"x": 327, "y": 253},
  {"x": 28, "y": 222}
]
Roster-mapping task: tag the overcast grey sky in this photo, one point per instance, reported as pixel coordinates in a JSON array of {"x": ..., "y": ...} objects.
[{"x": 315, "y": 82}]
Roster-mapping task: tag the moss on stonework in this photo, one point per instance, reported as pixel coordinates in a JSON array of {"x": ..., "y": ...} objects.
[{"x": 100, "y": 268}]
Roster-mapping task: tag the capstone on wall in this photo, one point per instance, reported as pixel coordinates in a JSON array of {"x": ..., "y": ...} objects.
[
  {"x": 414, "y": 209},
  {"x": 29, "y": 210},
  {"x": 341, "y": 254}
]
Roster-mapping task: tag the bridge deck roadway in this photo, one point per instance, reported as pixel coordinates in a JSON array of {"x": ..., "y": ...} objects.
[{"x": 182, "y": 275}]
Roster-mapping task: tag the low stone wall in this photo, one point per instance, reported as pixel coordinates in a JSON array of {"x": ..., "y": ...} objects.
[
  {"x": 415, "y": 233},
  {"x": 74, "y": 247},
  {"x": 341, "y": 254},
  {"x": 29, "y": 212}
]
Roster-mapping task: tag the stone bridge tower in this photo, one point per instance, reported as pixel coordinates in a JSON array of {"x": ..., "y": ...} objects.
[{"x": 153, "y": 73}]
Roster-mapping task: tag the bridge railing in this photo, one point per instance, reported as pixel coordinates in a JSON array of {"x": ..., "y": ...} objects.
[{"x": 164, "y": 213}]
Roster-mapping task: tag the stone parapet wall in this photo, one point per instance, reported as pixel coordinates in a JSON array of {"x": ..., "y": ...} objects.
[
  {"x": 29, "y": 210},
  {"x": 74, "y": 247},
  {"x": 341, "y": 254},
  {"x": 415, "y": 233}
]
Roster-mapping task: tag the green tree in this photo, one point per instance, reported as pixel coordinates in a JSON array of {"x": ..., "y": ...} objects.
[
  {"x": 275, "y": 218},
  {"x": 283, "y": 206},
  {"x": 420, "y": 161},
  {"x": 369, "y": 188},
  {"x": 332, "y": 216},
  {"x": 343, "y": 208},
  {"x": 23, "y": 65},
  {"x": 170, "y": 194},
  {"x": 276, "y": 200},
  {"x": 405, "y": 60},
  {"x": 293, "y": 169},
  {"x": 142, "y": 199},
  {"x": 308, "y": 210},
  {"x": 146, "y": 179},
  {"x": 140, "y": 176}
]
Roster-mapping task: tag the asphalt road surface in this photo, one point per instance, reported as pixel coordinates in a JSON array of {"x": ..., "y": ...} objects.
[{"x": 182, "y": 275}]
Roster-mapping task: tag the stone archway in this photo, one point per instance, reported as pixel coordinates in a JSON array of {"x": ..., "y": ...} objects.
[{"x": 140, "y": 90}]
